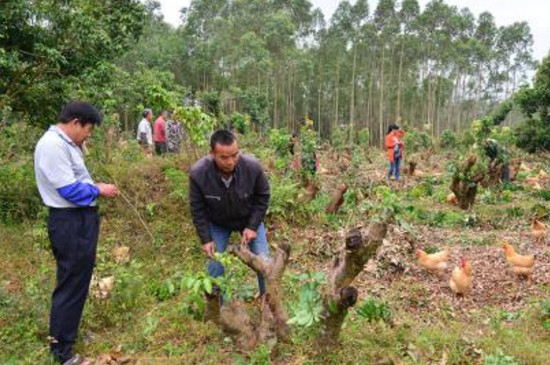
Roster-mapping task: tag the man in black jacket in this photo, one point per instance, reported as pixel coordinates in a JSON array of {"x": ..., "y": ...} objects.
[{"x": 229, "y": 191}]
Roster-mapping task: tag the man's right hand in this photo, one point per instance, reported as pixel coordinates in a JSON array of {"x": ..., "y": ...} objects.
[
  {"x": 107, "y": 190},
  {"x": 208, "y": 249}
]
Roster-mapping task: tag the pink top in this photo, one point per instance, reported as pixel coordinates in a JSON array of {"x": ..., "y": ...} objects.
[{"x": 159, "y": 131}]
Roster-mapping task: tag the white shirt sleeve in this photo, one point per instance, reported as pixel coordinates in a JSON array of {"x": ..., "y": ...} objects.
[{"x": 55, "y": 165}]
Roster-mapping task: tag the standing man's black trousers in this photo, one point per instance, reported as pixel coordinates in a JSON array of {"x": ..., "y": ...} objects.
[
  {"x": 73, "y": 233},
  {"x": 160, "y": 148}
]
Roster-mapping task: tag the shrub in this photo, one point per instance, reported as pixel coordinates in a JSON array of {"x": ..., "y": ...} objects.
[
  {"x": 503, "y": 135},
  {"x": 212, "y": 103},
  {"x": 241, "y": 122},
  {"x": 467, "y": 139},
  {"x": 345, "y": 136},
  {"x": 448, "y": 140},
  {"x": 19, "y": 197},
  {"x": 363, "y": 137},
  {"x": 197, "y": 124},
  {"x": 283, "y": 197},
  {"x": 415, "y": 141},
  {"x": 17, "y": 141},
  {"x": 533, "y": 135},
  {"x": 280, "y": 140}
]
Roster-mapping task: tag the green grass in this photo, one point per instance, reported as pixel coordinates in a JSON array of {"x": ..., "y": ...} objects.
[{"x": 148, "y": 316}]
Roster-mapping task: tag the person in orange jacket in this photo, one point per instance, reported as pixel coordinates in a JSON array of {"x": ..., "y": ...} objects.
[{"x": 394, "y": 145}]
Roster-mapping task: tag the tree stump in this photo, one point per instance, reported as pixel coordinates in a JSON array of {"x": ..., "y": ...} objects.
[
  {"x": 465, "y": 187},
  {"x": 337, "y": 199},
  {"x": 412, "y": 167},
  {"x": 515, "y": 165},
  {"x": 340, "y": 295},
  {"x": 494, "y": 174},
  {"x": 233, "y": 317}
]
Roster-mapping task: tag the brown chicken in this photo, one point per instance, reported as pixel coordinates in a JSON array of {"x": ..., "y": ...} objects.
[
  {"x": 539, "y": 230},
  {"x": 435, "y": 262},
  {"x": 461, "y": 278},
  {"x": 522, "y": 264}
]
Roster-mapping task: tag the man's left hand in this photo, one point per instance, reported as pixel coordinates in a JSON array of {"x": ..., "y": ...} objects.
[{"x": 248, "y": 236}]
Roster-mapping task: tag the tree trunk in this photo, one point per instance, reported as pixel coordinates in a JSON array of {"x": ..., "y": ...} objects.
[
  {"x": 337, "y": 199},
  {"x": 381, "y": 101},
  {"x": 399, "y": 81},
  {"x": 340, "y": 296},
  {"x": 464, "y": 188},
  {"x": 369, "y": 116},
  {"x": 352, "y": 96},
  {"x": 336, "y": 106},
  {"x": 275, "y": 97},
  {"x": 233, "y": 318}
]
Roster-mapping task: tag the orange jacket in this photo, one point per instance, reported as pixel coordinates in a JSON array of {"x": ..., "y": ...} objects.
[{"x": 393, "y": 138}]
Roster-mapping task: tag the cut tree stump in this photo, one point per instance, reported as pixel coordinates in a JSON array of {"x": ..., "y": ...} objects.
[
  {"x": 340, "y": 296},
  {"x": 233, "y": 318},
  {"x": 464, "y": 189},
  {"x": 337, "y": 199},
  {"x": 494, "y": 174},
  {"x": 515, "y": 165},
  {"x": 412, "y": 167}
]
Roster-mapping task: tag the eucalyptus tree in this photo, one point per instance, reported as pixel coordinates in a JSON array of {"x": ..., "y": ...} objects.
[
  {"x": 386, "y": 24},
  {"x": 407, "y": 15}
]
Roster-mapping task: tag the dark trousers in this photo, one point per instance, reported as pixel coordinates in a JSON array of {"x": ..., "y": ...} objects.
[
  {"x": 73, "y": 234},
  {"x": 160, "y": 148}
]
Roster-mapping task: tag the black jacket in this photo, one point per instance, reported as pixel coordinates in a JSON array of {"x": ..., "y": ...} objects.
[{"x": 242, "y": 205}]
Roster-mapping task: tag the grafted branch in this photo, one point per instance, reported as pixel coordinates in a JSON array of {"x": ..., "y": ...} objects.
[
  {"x": 233, "y": 317},
  {"x": 464, "y": 187}
]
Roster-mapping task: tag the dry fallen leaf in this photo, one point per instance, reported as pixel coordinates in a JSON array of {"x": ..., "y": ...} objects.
[
  {"x": 102, "y": 288},
  {"x": 121, "y": 254}
]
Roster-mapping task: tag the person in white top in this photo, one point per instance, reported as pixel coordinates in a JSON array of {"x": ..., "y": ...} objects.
[
  {"x": 144, "y": 131},
  {"x": 69, "y": 192}
]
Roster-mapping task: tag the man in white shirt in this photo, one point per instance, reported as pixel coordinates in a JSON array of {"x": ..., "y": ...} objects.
[
  {"x": 144, "y": 131},
  {"x": 69, "y": 192}
]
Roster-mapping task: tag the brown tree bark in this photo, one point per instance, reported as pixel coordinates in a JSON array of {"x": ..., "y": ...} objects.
[
  {"x": 340, "y": 295},
  {"x": 233, "y": 317},
  {"x": 412, "y": 167},
  {"x": 514, "y": 168},
  {"x": 337, "y": 199}
]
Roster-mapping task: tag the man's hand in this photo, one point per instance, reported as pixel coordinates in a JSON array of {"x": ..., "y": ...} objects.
[
  {"x": 248, "y": 236},
  {"x": 107, "y": 190},
  {"x": 208, "y": 249}
]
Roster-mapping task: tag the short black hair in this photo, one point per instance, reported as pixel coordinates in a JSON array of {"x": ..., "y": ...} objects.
[
  {"x": 392, "y": 128},
  {"x": 86, "y": 113},
  {"x": 223, "y": 137}
]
